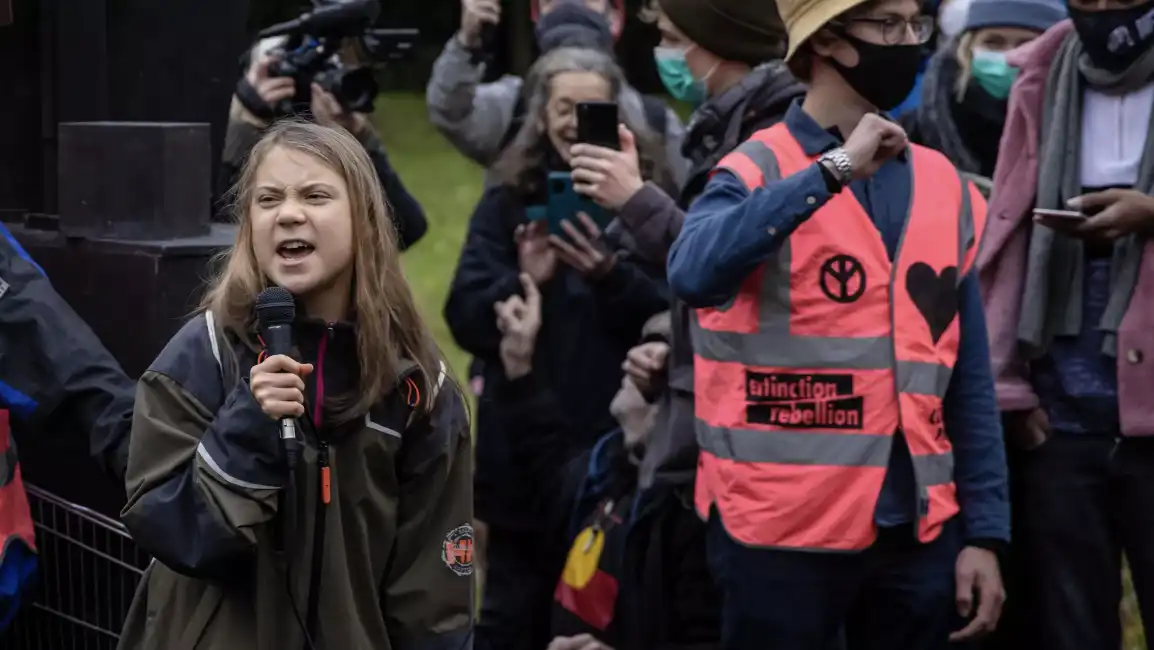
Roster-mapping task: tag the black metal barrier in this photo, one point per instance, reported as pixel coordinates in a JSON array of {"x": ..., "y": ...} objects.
[{"x": 88, "y": 571}]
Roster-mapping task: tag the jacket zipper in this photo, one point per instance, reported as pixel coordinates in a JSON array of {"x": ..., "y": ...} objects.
[{"x": 323, "y": 493}]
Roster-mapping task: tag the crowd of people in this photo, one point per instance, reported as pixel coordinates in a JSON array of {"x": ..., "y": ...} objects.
[
  {"x": 759, "y": 410},
  {"x": 856, "y": 360}
]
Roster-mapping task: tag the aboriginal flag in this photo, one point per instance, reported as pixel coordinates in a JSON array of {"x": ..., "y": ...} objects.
[{"x": 584, "y": 589}]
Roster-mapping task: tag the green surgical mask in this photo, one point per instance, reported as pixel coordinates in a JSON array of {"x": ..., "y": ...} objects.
[
  {"x": 675, "y": 74},
  {"x": 993, "y": 73}
]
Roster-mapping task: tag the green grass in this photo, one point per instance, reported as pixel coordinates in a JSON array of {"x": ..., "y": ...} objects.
[{"x": 448, "y": 186}]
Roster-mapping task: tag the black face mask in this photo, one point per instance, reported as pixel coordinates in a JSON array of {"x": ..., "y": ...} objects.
[
  {"x": 982, "y": 106},
  {"x": 1115, "y": 39},
  {"x": 885, "y": 74}
]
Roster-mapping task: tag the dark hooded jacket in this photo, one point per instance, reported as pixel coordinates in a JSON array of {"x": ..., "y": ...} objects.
[
  {"x": 55, "y": 374},
  {"x": 588, "y": 327},
  {"x": 654, "y": 219}
]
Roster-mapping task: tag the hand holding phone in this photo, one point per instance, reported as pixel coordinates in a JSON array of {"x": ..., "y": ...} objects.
[
  {"x": 1069, "y": 222},
  {"x": 597, "y": 124},
  {"x": 564, "y": 204}
]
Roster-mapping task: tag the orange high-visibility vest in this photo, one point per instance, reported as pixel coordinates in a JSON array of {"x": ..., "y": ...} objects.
[
  {"x": 825, "y": 352},
  {"x": 15, "y": 518}
]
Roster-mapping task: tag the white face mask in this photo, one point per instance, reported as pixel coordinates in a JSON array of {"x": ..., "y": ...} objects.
[{"x": 952, "y": 18}]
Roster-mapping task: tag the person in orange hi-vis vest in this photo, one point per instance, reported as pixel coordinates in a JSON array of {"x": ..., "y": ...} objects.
[{"x": 852, "y": 467}]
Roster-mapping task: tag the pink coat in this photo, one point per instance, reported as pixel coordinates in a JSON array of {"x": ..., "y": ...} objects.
[{"x": 1002, "y": 257}]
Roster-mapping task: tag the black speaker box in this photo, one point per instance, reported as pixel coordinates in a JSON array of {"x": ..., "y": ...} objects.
[
  {"x": 134, "y": 180},
  {"x": 109, "y": 60}
]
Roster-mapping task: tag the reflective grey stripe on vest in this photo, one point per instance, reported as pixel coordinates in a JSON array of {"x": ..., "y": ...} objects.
[
  {"x": 774, "y": 346},
  {"x": 967, "y": 234},
  {"x": 817, "y": 448},
  {"x": 761, "y": 156}
]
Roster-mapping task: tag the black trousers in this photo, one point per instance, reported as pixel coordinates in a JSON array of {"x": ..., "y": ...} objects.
[
  {"x": 516, "y": 605},
  {"x": 896, "y": 595},
  {"x": 1080, "y": 503}
]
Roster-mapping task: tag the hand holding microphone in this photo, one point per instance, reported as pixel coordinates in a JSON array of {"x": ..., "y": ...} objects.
[
  {"x": 278, "y": 382},
  {"x": 278, "y": 385}
]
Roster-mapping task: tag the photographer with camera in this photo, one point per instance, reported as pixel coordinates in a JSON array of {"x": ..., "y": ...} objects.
[
  {"x": 262, "y": 96},
  {"x": 481, "y": 119}
]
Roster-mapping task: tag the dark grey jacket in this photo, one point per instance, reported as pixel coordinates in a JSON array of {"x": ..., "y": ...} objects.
[{"x": 654, "y": 220}]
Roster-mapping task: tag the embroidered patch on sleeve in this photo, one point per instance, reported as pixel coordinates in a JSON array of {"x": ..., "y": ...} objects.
[{"x": 457, "y": 551}]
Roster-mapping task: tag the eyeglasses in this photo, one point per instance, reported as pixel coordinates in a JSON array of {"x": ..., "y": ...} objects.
[{"x": 895, "y": 29}]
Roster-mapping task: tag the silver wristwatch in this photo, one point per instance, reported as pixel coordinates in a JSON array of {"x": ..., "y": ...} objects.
[{"x": 837, "y": 161}]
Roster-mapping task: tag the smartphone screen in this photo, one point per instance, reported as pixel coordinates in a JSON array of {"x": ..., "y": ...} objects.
[{"x": 597, "y": 124}]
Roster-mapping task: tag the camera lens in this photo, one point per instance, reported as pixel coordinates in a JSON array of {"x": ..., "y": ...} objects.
[{"x": 354, "y": 88}]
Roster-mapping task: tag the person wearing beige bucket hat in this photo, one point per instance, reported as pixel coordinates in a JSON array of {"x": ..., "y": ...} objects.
[{"x": 852, "y": 501}]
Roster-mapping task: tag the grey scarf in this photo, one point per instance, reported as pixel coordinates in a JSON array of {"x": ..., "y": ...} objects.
[{"x": 1052, "y": 297}]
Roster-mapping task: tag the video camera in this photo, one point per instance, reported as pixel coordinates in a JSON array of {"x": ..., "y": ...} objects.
[{"x": 310, "y": 54}]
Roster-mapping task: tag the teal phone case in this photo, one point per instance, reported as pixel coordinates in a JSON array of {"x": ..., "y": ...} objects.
[{"x": 564, "y": 203}]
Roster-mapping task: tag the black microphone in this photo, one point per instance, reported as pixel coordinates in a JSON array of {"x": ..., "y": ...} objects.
[
  {"x": 275, "y": 311},
  {"x": 344, "y": 16}
]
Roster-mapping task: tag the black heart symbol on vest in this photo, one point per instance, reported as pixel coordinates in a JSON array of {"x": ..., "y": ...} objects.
[{"x": 935, "y": 296}]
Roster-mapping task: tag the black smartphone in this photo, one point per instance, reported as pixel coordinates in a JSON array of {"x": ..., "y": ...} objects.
[{"x": 597, "y": 124}]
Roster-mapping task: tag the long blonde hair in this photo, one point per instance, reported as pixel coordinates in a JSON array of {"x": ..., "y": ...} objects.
[
  {"x": 389, "y": 328},
  {"x": 964, "y": 55}
]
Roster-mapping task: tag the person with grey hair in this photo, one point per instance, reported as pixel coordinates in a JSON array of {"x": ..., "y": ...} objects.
[
  {"x": 596, "y": 297},
  {"x": 480, "y": 119}
]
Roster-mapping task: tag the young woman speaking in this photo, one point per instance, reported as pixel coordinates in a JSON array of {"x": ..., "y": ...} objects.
[{"x": 365, "y": 541}]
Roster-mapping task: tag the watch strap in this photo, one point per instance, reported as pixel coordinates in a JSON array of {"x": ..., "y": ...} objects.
[{"x": 837, "y": 160}]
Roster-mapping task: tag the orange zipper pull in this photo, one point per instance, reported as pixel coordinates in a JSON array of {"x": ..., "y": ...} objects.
[{"x": 323, "y": 463}]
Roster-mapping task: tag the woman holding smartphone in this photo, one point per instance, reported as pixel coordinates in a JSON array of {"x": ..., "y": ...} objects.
[
  {"x": 595, "y": 298},
  {"x": 364, "y": 542}
]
